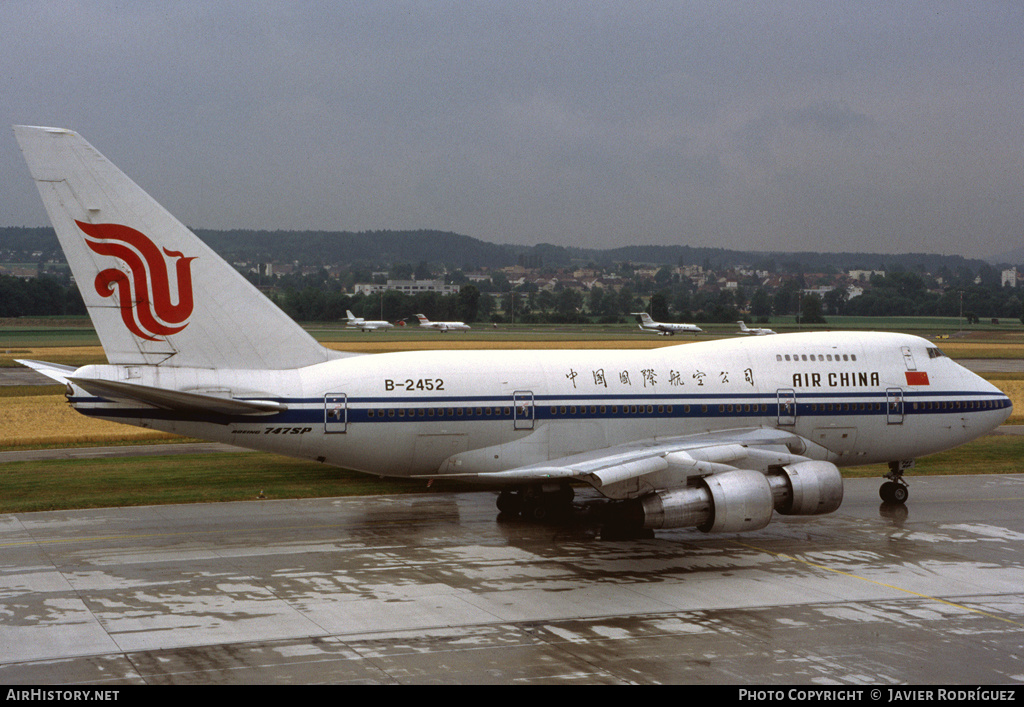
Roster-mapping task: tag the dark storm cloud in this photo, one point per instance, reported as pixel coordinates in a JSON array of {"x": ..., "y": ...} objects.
[{"x": 782, "y": 125}]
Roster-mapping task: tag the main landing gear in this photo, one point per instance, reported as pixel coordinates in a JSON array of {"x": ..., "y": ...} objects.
[
  {"x": 896, "y": 490},
  {"x": 537, "y": 503}
]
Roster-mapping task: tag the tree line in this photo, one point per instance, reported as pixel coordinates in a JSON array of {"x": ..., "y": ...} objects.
[
  {"x": 38, "y": 297},
  {"x": 321, "y": 298}
]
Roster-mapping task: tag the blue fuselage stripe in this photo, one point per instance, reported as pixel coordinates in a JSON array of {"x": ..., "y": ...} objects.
[{"x": 553, "y": 407}]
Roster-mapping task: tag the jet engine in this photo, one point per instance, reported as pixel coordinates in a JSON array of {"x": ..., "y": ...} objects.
[
  {"x": 740, "y": 500},
  {"x": 806, "y": 488}
]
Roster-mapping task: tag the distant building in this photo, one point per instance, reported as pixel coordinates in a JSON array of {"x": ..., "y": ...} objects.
[
  {"x": 408, "y": 287},
  {"x": 19, "y": 270},
  {"x": 1010, "y": 277}
]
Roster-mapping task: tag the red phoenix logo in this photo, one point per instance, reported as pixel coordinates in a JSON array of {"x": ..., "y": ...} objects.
[{"x": 145, "y": 292}]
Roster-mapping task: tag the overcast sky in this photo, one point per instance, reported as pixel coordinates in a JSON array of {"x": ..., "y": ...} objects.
[{"x": 820, "y": 125}]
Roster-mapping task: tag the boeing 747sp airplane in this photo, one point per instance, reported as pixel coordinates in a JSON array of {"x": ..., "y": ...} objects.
[
  {"x": 355, "y": 322},
  {"x": 717, "y": 435},
  {"x": 665, "y": 328}
]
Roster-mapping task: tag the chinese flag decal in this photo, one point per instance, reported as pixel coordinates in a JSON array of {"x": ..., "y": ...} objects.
[{"x": 917, "y": 378}]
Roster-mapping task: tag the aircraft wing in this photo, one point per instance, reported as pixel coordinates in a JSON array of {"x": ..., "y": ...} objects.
[{"x": 692, "y": 455}]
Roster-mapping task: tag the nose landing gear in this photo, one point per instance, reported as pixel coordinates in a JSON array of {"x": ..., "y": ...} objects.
[{"x": 896, "y": 490}]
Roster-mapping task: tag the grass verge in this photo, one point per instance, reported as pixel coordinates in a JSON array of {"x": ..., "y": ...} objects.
[
  {"x": 205, "y": 478},
  {"x": 201, "y": 478},
  {"x": 994, "y": 454}
]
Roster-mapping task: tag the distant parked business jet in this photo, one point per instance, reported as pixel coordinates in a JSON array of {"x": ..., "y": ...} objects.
[
  {"x": 756, "y": 332},
  {"x": 665, "y": 328},
  {"x": 441, "y": 326},
  {"x": 365, "y": 325}
]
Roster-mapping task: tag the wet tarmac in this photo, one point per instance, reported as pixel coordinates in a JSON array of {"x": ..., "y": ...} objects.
[{"x": 435, "y": 589}]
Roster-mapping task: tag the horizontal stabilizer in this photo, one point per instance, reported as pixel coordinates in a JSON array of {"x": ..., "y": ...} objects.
[
  {"x": 55, "y": 371},
  {"x": 176, "y": 400}
]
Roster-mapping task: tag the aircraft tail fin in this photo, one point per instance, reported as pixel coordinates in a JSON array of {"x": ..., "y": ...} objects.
[
  {"x": 155, "y": 292},
  {"x": 423, "y": 320}
]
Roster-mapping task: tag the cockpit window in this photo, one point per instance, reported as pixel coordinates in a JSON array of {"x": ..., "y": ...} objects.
[{"x": 935, "y": 352}]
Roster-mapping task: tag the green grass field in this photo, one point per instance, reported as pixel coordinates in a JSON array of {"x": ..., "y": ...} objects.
[{"x": 143, "y": 481}]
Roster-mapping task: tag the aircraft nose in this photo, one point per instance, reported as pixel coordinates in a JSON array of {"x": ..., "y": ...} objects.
[
  {"x": 1009, "y": 405},
  {"x": 1004, "y": 403}
]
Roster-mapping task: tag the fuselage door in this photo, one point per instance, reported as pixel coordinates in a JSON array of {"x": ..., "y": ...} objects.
[
  {"x": 335, "y": 413},
  {"x": 787, "y": 406},
  {"x": 908, "y": 358},
  {"x": 522, "y": 410},
  {"x": 894, "y": 406}
]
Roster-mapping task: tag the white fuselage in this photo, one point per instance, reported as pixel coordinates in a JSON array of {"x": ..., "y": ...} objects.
[
  {"x": 857, "y": 398},
  {"x": 445, "y": 326},
  {"x": 369, "y": 325},
  {"x": 664, "y": 328}
]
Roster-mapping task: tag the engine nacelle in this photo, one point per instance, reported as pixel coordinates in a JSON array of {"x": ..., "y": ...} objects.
[
  {"x": 807, "y": 488},
  {"x": 732, "y": 501}
]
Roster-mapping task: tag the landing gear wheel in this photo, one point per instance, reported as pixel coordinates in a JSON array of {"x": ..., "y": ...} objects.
[
  {"x": 510, "y": 502},
  {"x": 893, "y": 492},
  {"x": 900, "y": 494},
  {"x": 539, "y": 512},
  {"x": 537, "y": 503},
  {"x": 624, "y": 520}
]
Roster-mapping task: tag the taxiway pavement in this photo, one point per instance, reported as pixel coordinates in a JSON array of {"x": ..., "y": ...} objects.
[{"x": 435, "y": 589}]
